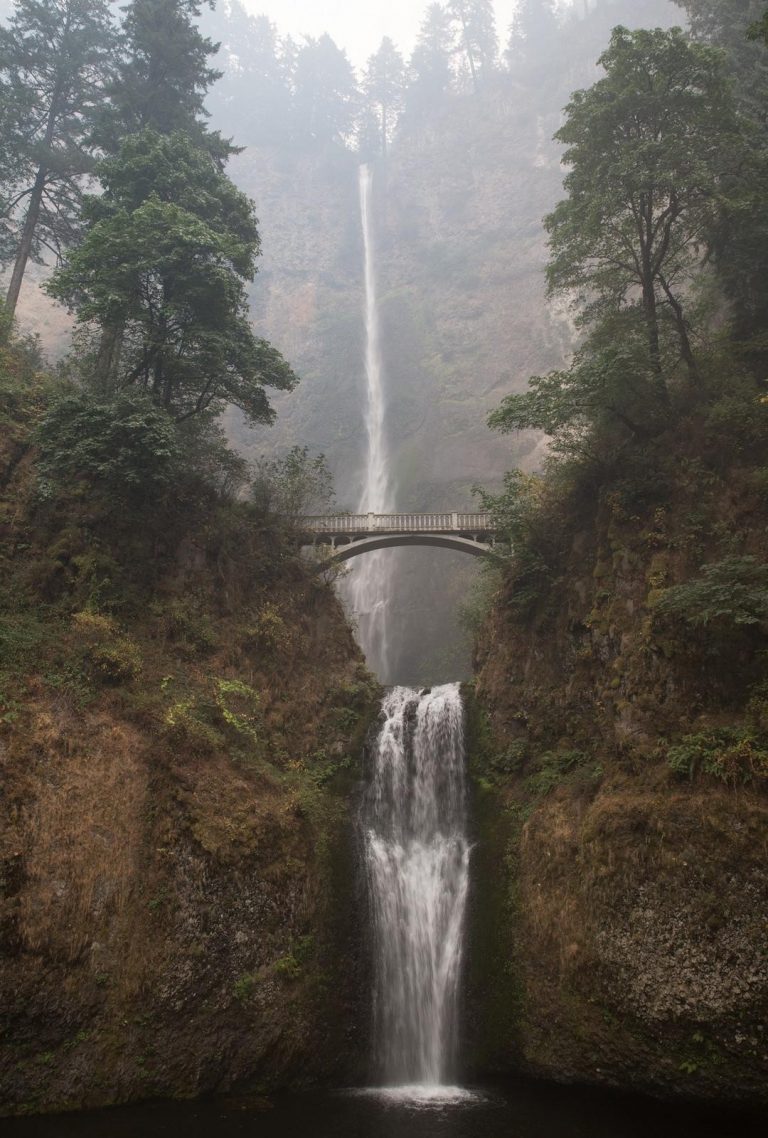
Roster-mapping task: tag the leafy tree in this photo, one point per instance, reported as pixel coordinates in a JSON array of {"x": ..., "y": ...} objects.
[
  {"x": 325, "y": 91},
  {"x": 294, "y": 485},
  {"x": 169, "y": 247},
  {"x": 647, "y": 147},
  {"x": 476, "y": 34},
  {"x": 430, "y": 64},
  {"x": 588, "y": 410},
  {"x": 520, "y": 517},
  {"x": 384, "y": 89},
  {"x": 54, "y": 59},
  {"x": 125, "y": 445}
]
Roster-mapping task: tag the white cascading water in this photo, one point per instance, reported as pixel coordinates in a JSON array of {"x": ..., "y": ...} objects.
[
  {"x": 369, "y": 584},
  {"x": 417, "y": 863}
]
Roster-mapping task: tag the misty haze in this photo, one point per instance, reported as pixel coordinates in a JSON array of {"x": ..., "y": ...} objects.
[{"x": 383, "y": 567}]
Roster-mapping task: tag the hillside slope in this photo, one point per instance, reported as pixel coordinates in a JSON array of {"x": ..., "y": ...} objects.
[{"x": 181, "y": 711}]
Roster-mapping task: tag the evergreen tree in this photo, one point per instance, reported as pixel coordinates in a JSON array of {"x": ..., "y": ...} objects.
[
  {"x": 161, "y": 83},
  {"x": 475, "y": 23},
  {"x": 255, "y": 91},
  {"x": 54, "y": 59},
  {"x": 163, "y": 75},
  {"x": 326, "y": 97},
  {"x": 430, "y": 65},
  {"x": 726, "y": 23},
  {"x": 169, "y": 248},
  {"x": 384, "y": 89},
  {"x": 533, "y": 30},
  {"x": 739, "y": 240}
]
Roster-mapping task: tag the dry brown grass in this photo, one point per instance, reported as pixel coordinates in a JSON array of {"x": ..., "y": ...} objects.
[{"x": 81, "y": 832}]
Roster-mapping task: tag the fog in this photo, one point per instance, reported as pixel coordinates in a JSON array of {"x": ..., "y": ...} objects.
[{"x": 359, "y": 25}]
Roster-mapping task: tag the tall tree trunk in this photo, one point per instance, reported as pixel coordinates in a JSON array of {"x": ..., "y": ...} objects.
[
  {"x": 651, "y": 313},
  {"x": 468, "y": 49},
  {"x": 25, "y": 244},
  {"x": 682, "y": 333},
  {"x": 33, "y": 210},
  {"x": 108, "y": 356}
]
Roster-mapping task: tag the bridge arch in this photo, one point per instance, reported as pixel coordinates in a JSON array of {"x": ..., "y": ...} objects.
[
  {"x": 352, "y": 549},
  {"x": 350, "y": 535}
]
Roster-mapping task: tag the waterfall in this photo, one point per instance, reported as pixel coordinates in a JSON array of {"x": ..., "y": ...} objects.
[
  {"x": 369, "y": 586},
  {"x": 417, "y": 863}
]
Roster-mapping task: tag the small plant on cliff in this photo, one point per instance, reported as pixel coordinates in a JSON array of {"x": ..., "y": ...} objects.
[
  {"x": 110, "y": 655},
  {"x": 733, "y": 755},
  {"x": 243, "y": 987},
  {"x": 733, "y": 591},
  {"x": 555, "y": 767}
]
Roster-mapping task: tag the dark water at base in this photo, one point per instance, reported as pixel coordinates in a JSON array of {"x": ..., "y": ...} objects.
[{"x": 517, "y": 1110}]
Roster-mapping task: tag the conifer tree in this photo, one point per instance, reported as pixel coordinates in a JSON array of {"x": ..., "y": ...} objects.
[
  {"x": 163, "y": 76},
  {"x": 384, "y": 89},
  {"x": 532, "y": 31},
  {"x": 476, "y": 36},
  {"x": 739, "y": 241},
  {"x": 255, "y": 91},
  {"x": 160, "y": 85},
  {"x": 430, "y": 64},
  {"x": 54, "y": 60},
  {"x": 326, "y": 96}
]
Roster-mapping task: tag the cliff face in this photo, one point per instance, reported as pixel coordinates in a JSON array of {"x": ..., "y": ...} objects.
[
  {"x": 460, "y": 252},
  {"x": 181, "y": 717},
  {"x": 621, "y": 765}
]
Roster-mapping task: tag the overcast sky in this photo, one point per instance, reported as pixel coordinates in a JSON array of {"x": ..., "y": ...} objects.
[{"x": 359, "y": 25}]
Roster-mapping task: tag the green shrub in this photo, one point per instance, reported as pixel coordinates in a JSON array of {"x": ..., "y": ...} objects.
[
  {"x": 243, "y": 987},
  {"x": 553, "y": 768},
  {"x": 269, "y": 631},
  {"x": 731, "y": 754},
  {"x": 186, "y": 625},
  {"x": 287, "y": 967},
  {"x": 733, "y": 591},
  {"x": 110, "y": 655},
  {"x": 187, "y": 728},
  {"x": 125, "y": 445}
]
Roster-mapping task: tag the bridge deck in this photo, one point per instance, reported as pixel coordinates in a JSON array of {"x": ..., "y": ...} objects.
[{"x": 360, "y": 525}]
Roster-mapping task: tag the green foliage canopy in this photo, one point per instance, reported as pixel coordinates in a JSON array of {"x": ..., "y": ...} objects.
[
  {"x": 732, "y": 591},
  {"x": 124, "y": 445},
  {"x": 169, "y": 247},
  {"x": 647, "y": 146},
  {"x": 293, "y": 485}
]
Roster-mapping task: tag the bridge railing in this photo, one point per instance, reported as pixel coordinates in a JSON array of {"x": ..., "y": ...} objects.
[{"x": 448, "y": 522}]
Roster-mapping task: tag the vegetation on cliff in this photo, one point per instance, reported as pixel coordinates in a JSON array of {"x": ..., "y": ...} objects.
[
  {"x": 621, "y": 720},
  {"x": 181, "y": 709},
  {"x": 181, "y": 700}
]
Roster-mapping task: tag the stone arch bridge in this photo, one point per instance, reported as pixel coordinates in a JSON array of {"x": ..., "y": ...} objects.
[{"x": 349, "y": 535}]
